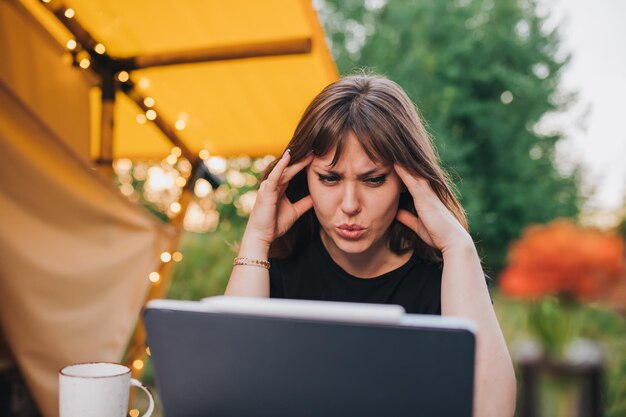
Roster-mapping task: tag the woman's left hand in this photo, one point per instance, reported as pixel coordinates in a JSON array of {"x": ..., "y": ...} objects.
[{"x": 434, "y": 223}]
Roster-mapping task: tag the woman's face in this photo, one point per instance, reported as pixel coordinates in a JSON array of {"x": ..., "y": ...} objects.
[{"x": 356, "y": 200}]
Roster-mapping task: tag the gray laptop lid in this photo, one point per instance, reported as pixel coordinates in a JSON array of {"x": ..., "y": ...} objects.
[{"x": 216, "y": 364}]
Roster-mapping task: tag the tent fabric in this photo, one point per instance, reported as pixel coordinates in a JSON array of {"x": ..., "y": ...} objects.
[
  {"x": 75, "y": 255},
  {"x": 33, "y": 64},
  {"x": 245, "y": 106}
]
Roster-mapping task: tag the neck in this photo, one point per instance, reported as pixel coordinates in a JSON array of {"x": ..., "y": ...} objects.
[{"x": 378, "y": 259}]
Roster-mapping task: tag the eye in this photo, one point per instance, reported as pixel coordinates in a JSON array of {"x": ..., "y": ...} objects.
[
  {"x": 376, "y": 181},
  {"x": 328, "y": 179}
]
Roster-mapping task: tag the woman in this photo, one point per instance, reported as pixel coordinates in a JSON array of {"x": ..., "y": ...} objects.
[{"x": 384, "y": 227}]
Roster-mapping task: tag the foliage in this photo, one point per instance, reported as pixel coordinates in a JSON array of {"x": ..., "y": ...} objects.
[
  {"x": 207, "y": 262},
  {"x": 483, "y": 73}
]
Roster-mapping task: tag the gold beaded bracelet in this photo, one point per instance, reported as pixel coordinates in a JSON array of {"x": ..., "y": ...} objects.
[{"x": 251, "y": 262}]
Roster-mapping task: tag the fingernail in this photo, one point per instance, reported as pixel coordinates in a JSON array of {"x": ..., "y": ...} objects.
[{"x": 286, "y": 153}]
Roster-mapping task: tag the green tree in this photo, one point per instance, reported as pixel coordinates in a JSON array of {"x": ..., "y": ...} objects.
[{"x": 482, "y": 73}]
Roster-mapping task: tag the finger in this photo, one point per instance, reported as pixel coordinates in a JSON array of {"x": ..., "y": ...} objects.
[
  {"x": 423, "y": 194},
  {"x": 408, "y": 219},
  {"x": 414, "y": 223},
  {"x": 302, "y": 206},
  {"x": 412, "y": 182},
  {"x": 280, "y": 166},
  {"x": 289, "y": 213},
  {"x": 292, "y": 170}
]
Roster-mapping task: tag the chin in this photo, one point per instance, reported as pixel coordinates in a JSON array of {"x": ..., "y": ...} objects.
[{"x": 351, "y": 246}]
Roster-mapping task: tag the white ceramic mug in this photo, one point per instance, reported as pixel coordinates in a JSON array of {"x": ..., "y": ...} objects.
[{"x": 97, "y": 389}]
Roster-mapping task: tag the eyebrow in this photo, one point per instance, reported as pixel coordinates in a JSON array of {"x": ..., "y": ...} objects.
[{"x": 360, "y": 176}]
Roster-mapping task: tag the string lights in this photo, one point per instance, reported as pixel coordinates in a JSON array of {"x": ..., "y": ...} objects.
[
  {"x": 175, "y": 207},
  {"x": 180, "y": 182},
  {"x": 180, "y": 124},
  {"x": 171, "y": 159},
  {"x": 123, "y": 76},
  {"x": 154, "y": 276},
  {"x": 84, "y": 63},
  {"x": 151, "y": 114},
  {"x": 69, "y": 13},
  {"x": 99, "y": 48}
]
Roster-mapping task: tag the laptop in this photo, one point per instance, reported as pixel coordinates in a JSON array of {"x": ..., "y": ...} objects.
[{"x": 252, "y": 357}]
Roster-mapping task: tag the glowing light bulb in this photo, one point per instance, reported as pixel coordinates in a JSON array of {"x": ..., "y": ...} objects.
[
  {"x": 151, "y": 114},
  {"x": 166, "y": 257},
  {"x": 141, "y": 118},
  {"x": 171, "y": 159},
  {"x": 176, "y": 151},
  {"x": 69, "y": 13},
  {"x": 71, "y": 44},
  {"x": 99, "y": 48},
  {"x": 123, "y": 76},
  {"x": 204, "y": 154},
  {"x": 154, "y": 276},
  {"x": 133, "y": 413},
  {"x": 177, "y": 256},
  {"x": 84, "y": 63},
  {"x": 175, "y": 207},
  {"x": 138, "y": 364},
  {"x": 180, "y": 124},
  {"x": 180, "y": 181},
  {"x": 148, "y": 101}
]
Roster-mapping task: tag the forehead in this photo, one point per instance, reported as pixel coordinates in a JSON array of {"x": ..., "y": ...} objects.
[{"x": 353, "y": 157}]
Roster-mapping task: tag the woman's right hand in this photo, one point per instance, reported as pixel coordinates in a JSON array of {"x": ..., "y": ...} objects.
[{"x": 273, "y": 214}]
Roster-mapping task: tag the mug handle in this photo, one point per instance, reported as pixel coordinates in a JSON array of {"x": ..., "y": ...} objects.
[{"x": 135, "y": 383}]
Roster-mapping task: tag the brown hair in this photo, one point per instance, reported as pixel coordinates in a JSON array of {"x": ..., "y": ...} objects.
[{"x": 388, "y": 126}]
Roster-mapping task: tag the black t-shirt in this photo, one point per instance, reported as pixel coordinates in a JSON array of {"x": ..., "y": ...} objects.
[{"x": 313, "y": 275}]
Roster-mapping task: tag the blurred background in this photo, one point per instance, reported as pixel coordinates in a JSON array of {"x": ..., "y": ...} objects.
[{"x": 524, "y": 101}]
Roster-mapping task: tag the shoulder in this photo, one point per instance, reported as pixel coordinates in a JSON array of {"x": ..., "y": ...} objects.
[{"x": 426, "y": 269}]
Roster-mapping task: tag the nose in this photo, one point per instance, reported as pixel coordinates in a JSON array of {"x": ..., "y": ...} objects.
[{"x": 351, "y": 202}]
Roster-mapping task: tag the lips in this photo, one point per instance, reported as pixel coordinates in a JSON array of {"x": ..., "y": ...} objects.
[{"x": 350, "y": 231}]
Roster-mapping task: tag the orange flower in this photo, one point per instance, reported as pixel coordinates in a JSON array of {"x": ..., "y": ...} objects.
[{"x": 562, "y": 258}]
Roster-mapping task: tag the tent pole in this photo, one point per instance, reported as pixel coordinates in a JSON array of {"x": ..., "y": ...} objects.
[
  {"x": 105, "y": 160},
  {"x": 219, "y": 53}
]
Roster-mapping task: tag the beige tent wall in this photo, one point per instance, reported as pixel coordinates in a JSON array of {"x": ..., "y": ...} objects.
[{"x": 74, "y": 254}]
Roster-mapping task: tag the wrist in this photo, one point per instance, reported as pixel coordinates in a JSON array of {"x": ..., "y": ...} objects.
[
  {"x": 462, "y": 247},
  {"x": 253, "y": 246}
]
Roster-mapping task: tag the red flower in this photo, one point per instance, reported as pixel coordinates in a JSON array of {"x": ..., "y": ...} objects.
[{"x": 562, "y": 258}]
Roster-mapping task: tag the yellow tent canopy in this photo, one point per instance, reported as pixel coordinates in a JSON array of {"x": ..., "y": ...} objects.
[{"x": 228, "y": 77}]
